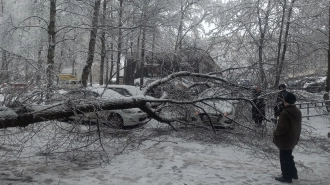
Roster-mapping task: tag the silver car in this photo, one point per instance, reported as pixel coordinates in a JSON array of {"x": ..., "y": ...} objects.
[
  {"x": 220, "y": 112},
  {"x": 115, "y": 118},
  {"x": 122, "y": 117}
]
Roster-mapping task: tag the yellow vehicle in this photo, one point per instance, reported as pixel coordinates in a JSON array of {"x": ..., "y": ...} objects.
[{"x": 68, "y": 81}]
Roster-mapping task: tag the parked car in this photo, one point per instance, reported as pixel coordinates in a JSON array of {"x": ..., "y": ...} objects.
[
  {"x": 38, "y": 96},
  {"x": 126, "y": 90},
  {"x": 118, "y": 118},
  {"x": 129, "y": 90},
  {"x": 146, "y": 81},
  {"x": 315, "y": 85},
  {"x": 220, "y": 112},
  {"x": 295, "y": 84},
  {"x": 312, "y": 84}
]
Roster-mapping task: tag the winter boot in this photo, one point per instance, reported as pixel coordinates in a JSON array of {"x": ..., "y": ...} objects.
[
  {"x": 295, "y": 176},
  {"x": 284, "y": 179}
]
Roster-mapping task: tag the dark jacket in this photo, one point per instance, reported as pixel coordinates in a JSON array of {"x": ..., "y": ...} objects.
[
  {"x": 287, "y": 132},
  {"x": 258, "y": 111},
  {"x": 279, "y": 103}
]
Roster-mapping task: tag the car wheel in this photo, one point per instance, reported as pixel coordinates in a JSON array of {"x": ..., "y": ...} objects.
[{"x": 115, "y": 120}]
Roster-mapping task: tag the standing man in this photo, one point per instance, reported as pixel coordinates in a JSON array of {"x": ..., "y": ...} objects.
[
  {"x": 258, "y": 110},
  {"x": 286, "y": 136}
]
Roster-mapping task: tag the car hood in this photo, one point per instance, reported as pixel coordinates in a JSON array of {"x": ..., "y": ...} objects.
[{"x": 215, "y": 107}]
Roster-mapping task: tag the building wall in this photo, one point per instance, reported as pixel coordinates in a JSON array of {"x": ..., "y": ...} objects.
[{"x": 163, "y": 64}]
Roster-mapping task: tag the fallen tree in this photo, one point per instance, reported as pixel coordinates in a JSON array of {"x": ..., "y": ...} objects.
[{"x": 27, "y": 115}]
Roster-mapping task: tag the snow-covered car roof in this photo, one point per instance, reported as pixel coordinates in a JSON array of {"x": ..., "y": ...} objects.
[
  {"x": 133, "y": 90},
  {"x": 115, "y": 92},
  {"x": 106, "y": 93},
  {"x": 215, "y": 92}
]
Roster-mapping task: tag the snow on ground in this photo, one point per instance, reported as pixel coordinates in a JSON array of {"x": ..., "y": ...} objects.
[{"x": 174, "y": 162}]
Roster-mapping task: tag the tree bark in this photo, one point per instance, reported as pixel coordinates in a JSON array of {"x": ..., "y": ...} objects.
[
  {"x": 103, "y": 50},
  {"x": 51, "y": 43},
  {"x": 39, "y": 66},
  {"x": 91, "y": 46},
  {"x": 285, "y": 43},
  {"x": 111, "y": 62},
  {"x": 1, "y": 14},
  {"x": 120, "y": 24},
  {"x": 178, "y": 43},
  {"x": 10, "y": 118},
  {"x": 262, "y": 41},
  {"x": 111, "y": 52},
  {"x": 143, "y": 45},
  {"x": 4, "y": 68},
  {"x": 277, "y": 76},
  {"x": 327, "y": 82}
]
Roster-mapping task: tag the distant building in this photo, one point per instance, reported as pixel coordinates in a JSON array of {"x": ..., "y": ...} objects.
[{"x": 165, "y": 63}]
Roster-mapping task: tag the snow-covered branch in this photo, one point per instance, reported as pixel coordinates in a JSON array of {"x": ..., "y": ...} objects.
[{"x": 20, "y": 117}]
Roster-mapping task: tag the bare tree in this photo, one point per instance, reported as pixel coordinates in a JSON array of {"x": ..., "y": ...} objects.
[
  {"x": 103, "y": 45},
  {"x": 91, "y": 46},
  {"x": 51, "y": 43},
  {"x": 327, "y": 84},
  {"x": 119, "y": 44},
  {"x": 281, "y": 59}
]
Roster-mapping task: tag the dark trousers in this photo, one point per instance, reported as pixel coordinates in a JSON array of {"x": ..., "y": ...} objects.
[{"x": 288, "y": 166}]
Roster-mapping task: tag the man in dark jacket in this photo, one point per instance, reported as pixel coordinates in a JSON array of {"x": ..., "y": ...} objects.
[
  {"x": 258, "y": 110},
  {"x": 286, "y": 136}
]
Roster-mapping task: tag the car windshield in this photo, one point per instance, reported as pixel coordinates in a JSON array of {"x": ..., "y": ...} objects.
[
  {"x": 122, "y": 91},
  {"x": 214, "y": 92},
  {"x": 216, "y": 105},
  {"x": 83, "y": 93}
]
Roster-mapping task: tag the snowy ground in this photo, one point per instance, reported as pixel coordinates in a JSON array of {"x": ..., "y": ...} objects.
[{"x": 174, "y": 162}]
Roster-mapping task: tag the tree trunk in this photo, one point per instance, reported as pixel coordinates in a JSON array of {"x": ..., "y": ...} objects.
[
  {"x": 138, "y": 56},
  {"x": 153, "y": 45},
  {"x": 61, "y": 111},
  {"x": 39, "y": 66},
  {"x": 327, "y": 89},
  {"x": 327, "y": 82},
  {"x": 142, "y": 57},
  {"x": 26, "y": 72},
  {"x": 4, "y": 68},
  {"x": 178, "y": 43},
  {"x": 91, "y": 78},
  {"x": 143, "y": 45},
  {"x": 91, "y": 46},
  {"x": 51, "y": 43},
  {"x": 262, "y": 31},
  {"x": 111, "y": 52},
  {"x": 1, "y": 14},
  {"x": 120, "y": 24},
  {"x": 277, "y": 75},
  {"x": 112, "y": 61},
  {"x": 285, "y": 43},
  {"x": 106, "y": 69},
  {"x": 103, "y": 50}
]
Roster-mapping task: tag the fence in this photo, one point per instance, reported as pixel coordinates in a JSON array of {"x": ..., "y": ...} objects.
[{"x": 314, "y": 105}]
